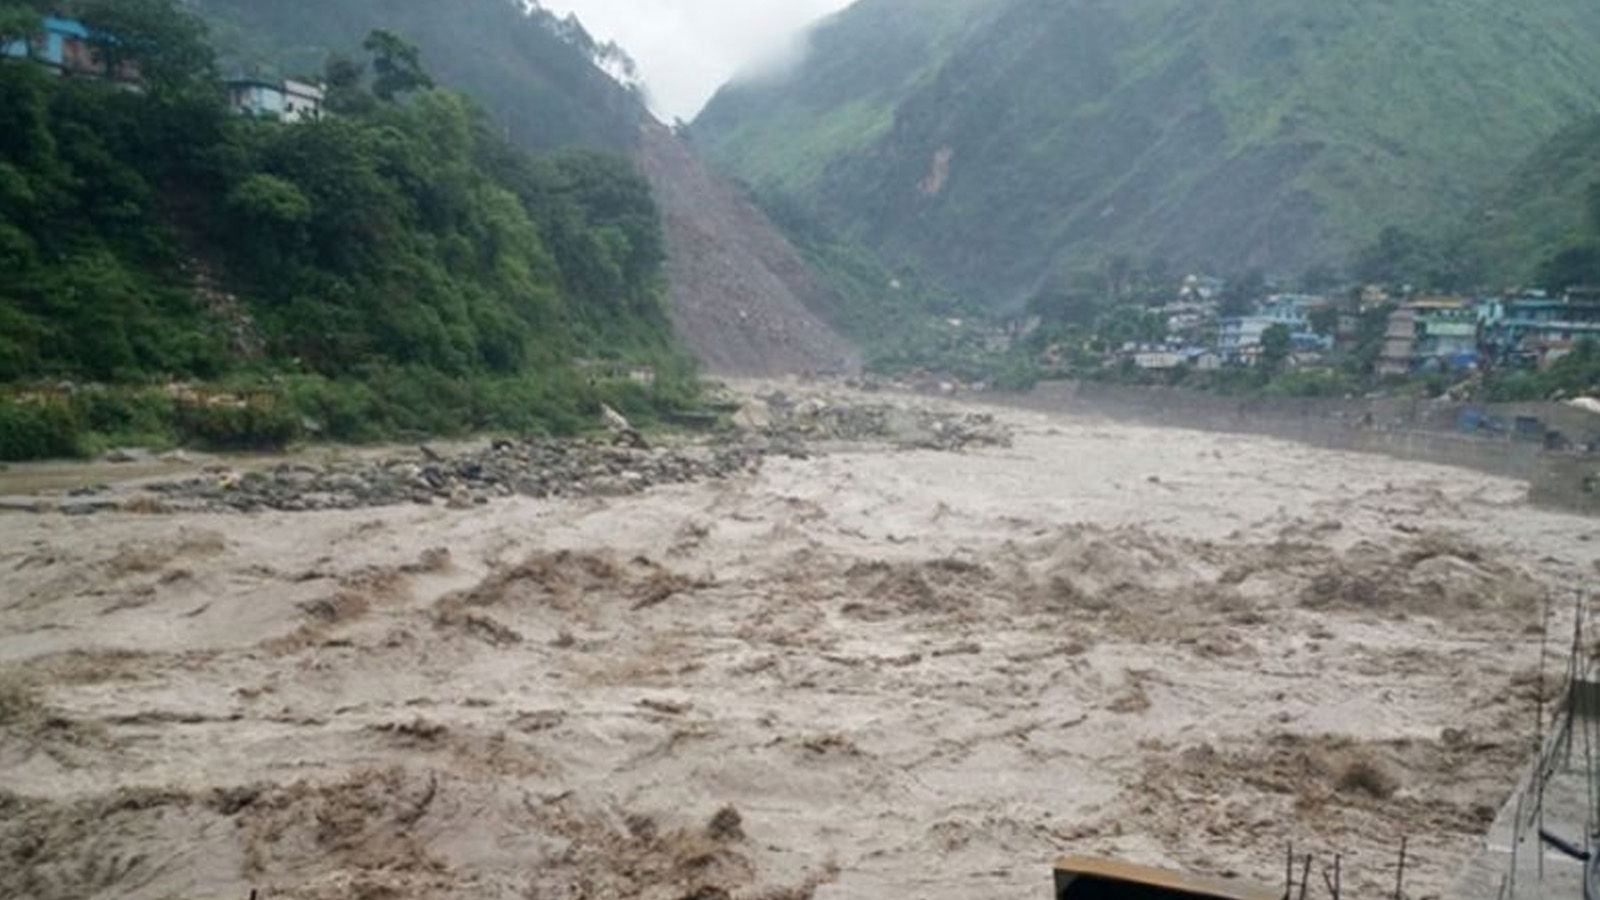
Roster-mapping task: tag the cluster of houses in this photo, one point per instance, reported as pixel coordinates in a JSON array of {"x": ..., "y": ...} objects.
[
  {"x": 1522, "y": 330},
  {"x": 1201, "y": 339},
  {"x": 67, "y": 47},
  {"x": 1424, "y": 334}
]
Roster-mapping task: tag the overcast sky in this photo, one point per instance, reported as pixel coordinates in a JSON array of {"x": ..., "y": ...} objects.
[{"x": 686, "y": 49}]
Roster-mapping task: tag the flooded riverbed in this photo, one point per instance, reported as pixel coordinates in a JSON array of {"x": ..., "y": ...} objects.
[{"x": 867, "y": 673}]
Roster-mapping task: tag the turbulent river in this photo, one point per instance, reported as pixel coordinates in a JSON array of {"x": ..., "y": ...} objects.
[{"x": 862, "y": 672}]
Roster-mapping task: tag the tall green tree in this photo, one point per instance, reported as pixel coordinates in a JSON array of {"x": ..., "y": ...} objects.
[
  {"x": 1277, "y": 342},
  {"x": 1402, "y": 257},
  {"x": 1396, "y": 257},
  {"x": 345, "y": 79},
  {"x": 1131, "y": 324},
  {"x": 1578, "y": 263},
  {"x": 19, "y": 22},
  {"x": 396, "y": 65},
  {"x": 1242, "y": 293},
  {"x": 1324, "y": 320},
  {"x": 166, "y": 41}
]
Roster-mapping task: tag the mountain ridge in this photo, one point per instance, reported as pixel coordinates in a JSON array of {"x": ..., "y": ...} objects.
[{"x": 1218, "y": 135}]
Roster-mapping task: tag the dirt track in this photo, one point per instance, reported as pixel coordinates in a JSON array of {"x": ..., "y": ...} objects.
[{"x": 868, "y": 674}]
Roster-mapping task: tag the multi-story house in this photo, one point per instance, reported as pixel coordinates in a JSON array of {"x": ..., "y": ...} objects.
[
  {"x": 1447, "y": 333},
  {"x": 1535, "y": 329}
]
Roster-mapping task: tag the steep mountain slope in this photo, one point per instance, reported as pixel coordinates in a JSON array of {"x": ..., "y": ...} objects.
[
  {"x": 738, "y": 292},
  {"x": 1222, "y": 133},
  {"x": 744, "y": 298},
  {"x": 858, "y": 69},
  {"x": 1537, "y": 210}
]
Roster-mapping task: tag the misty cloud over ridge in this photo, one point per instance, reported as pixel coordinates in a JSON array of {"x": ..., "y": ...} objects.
[{"x": 686, "y": 49}]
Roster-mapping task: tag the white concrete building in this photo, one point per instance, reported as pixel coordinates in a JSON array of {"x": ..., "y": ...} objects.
[{"x": 283, "y": 101}]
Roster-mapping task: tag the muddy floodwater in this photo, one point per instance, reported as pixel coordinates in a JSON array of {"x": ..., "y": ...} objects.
[{"x": 868, "y": 673}]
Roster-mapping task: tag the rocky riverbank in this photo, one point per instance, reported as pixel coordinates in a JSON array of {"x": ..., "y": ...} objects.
[
  {"x": 476, "y": 477},
  {"x": 621, "y": 465}
]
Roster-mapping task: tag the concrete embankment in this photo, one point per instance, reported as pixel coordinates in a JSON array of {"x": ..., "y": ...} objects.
[{"x": 1543, "y": 444}]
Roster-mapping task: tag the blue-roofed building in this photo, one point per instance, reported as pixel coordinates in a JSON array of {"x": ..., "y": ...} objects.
[
  {"x": 66, "y": 46},
  {"x": 57, "y": 42}
]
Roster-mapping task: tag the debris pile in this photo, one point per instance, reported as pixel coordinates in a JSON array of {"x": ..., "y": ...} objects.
[
  {"x": 787, "y": 422},
  {"x": 622, "y": 464},
  {"x": 473, "y": 478}
]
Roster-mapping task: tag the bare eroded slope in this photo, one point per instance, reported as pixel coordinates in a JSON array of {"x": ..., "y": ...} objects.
[{"x": 741, "y": 295}]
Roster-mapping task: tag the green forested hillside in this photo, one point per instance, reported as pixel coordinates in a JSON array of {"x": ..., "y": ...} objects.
[
  {"x": 1048, "y": 135},
  {"x": 782, "y": 131},
  {"x": 541, "y": 79},
  {"x": 534, "y": 72},
  {"x": 1548, "y": 204},
  {"x": 395, "y": 268}
]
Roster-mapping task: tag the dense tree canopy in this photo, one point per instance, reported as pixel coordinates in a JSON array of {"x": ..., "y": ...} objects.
[
  {"x": 168, "y": 44},
  {"x": 1277, "y": 343},
  {"x": 1578, "y": 263},
  {"x": 397, "y": 237},
  {"x": 534, "y": 72},
  {"x": 397, "y": 63},
  {"x": 18, "y": 21}
]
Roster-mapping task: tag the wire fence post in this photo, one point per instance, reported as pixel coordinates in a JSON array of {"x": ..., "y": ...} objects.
[{"x": 1400, "y": 875}]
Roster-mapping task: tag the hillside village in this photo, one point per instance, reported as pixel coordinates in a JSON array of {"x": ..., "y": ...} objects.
[
  {"x": 1516, "y": 345},
  {"x": 1425, "y": 333},
  {"x": 68, "y": 47}
]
